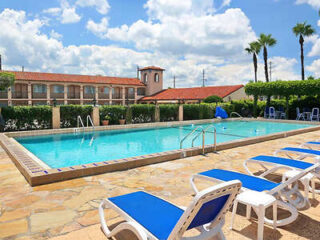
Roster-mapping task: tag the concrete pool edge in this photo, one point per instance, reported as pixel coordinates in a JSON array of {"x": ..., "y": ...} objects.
[{"x": 36, "y": 174}]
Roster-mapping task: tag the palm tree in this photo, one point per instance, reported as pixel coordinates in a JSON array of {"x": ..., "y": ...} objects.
[
  {"x": 302, "y": 30},
  {"x": 254, "y": 49},
  {"x": 266, "y": 41}
]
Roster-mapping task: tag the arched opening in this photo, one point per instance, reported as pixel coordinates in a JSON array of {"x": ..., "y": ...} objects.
[
  {"x": 156, "y": 77},
  {"x": 145, "y": 78}
]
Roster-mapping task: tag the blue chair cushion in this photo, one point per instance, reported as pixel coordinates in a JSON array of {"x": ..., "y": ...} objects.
[
  {"x": 249, "y": 182},
  {"x": 316, "y": 143},
  {"x": 208, "y": 211},
  {"x": 156, "y": 215},
  {"x": 283, "y": 161},
  {"x": 302, "y": 150}
]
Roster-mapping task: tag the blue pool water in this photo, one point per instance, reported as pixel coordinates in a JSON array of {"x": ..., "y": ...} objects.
[{"x": 65, "y": 150}]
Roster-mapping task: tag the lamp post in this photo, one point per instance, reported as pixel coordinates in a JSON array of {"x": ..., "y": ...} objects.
[{"x": 54, "y": 101}]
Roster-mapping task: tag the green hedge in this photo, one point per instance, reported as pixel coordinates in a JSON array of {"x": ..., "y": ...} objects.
[
  {"x": 142, "y": 113},
  {"x": 115, "y": 112},
  {"x": 284, "y": 88},
  {"x": 198, "y": 111},
  {"x": 69, "y": 114},
  {"x": 169, "y": 112},
  {"x": 21, "y": 118}
]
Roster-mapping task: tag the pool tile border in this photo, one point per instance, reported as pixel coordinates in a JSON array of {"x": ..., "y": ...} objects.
[{"x": 36, "y": 174}]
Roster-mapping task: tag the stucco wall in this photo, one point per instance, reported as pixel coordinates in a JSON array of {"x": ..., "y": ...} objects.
[{"x": 237, "y": 95}]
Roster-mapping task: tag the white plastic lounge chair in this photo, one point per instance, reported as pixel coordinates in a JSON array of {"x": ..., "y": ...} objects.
[
  {"x": 311, "y": 144},
  {"x": 294, "y": 166},
  {"x": 280, "y": 191},
  {"x": 299, "y": 114},
  {"x": 150, "y": 217},
  {"x": 315, "y": 114},
  {"x": 301, "y": 153},
  {"x": 272, "y": 113}
]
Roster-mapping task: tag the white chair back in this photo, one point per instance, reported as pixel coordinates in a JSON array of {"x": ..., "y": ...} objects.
[{"x": 207, "y": 208}]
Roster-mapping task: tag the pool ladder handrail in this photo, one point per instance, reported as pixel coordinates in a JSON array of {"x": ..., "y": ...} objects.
[
  {"x": 89, "y": 120},
  {"x": 185, "y": 137},
  {"x": 235, "y": 113},
  {"x": 79, "y": 121},
  {"x": 203, "y": 132},
  {"x": 204, "y": 135}
]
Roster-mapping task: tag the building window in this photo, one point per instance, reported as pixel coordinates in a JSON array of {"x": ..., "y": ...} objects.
[
  {"x": 141, "y": 91},
  {"x": 89, "y": 90},
  {"x": 38, "y": 88},
  {"x": 156, "y": 77},
  {"x": 106, "y": 90},
  {"x": 145, "y": 78},
  {"x": 58, "y": 89}
]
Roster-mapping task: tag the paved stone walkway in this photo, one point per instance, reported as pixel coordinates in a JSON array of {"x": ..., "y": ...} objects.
[{"x": 68, "y": 210}]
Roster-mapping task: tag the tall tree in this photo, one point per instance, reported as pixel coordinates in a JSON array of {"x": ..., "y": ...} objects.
[
  {"x": 302, "y": 30},
  {"x": 266, "y": 41},
  {"x": 254, "y": 49}
]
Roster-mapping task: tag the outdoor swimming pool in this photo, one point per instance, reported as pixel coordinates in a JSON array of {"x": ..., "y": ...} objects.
[{"x": 70, "y": 149}]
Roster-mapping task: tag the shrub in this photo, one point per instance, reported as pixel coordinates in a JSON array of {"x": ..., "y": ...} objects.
[
  {"x": 6, "y": 80},
  {"x": 142, "y": 113},
  {"x": 168, "y": 112},
  {"x": 206, "y": 111},
  {"x": 69, "y": 114},
  {"x": 115, "y": 112},
  {"x": 191, "y": 111},
  {"x": 19, "y": 118},
  {"x": 213, "y": 99}
]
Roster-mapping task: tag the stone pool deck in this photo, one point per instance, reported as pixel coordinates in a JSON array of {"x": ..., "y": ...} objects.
[{"x": 68, "y": 210}]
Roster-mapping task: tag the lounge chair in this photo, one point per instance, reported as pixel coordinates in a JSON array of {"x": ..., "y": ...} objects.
[
  {"x": 314, "y": 114},
  {"x": 266, "y": 112},
  {"x": 282, "y": 113},
  {"x": 150, "y": 217},
  {"x": 302, "y": 153},
  {"x": 272, "y": 113},
  {"x": 258, "y": 185},
  {"x": 299, "y": 114},
  {"x": 294, "y": 167},
  {"x": 311, "y": 144}
]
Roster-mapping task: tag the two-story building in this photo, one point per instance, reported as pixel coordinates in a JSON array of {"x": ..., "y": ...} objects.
[{"x": 37, "y": 88}]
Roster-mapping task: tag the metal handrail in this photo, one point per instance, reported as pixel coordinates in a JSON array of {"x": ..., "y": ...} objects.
[
  {"x": 204, "y": 133},
  {"x": 185, "y": 137},
  {"x": 235, "y": 113},
  {"x": 89, "y": 119},
  {"x": 79, "y": 120}
]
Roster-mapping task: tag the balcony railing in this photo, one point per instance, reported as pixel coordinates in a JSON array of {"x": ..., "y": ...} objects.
[
  {"x": 103, "y": 96},
  {"x": 3, "y": 95},
  {"x": 39, "y": 95},
  {"x": 20, "y": 95},
  {"x": 88, "y": 95},
  {"x": 74, "y": 95},
  {"x": 56, "y": 95}
]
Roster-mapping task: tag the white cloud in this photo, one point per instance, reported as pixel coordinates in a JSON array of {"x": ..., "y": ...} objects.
[
  {"x": 55, "y": 35},
  {"x": 102, "y": 6},
  {"x": 314, "y": 68},
  {"x": 314, "y": 3},
  {"x": 23, "y": 43},
  {"x": 220, "y": 35},
  {"x": 66, "y": 14},
  {"x": 98, "y": 29}
]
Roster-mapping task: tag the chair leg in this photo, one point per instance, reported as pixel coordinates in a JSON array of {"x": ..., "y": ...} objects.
[
  {"x": 248, "y": 211},
  {"x": 234, "y": 211},
  {"x": 261, "y": 214},
  {"x": 221, "y": 235},
  {"x": 275, "y": 215},
  {"x": 313, "y": 188}
]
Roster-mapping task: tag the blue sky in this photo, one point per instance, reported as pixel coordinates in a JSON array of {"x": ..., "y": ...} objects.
[{"x": 112, "y": 37}]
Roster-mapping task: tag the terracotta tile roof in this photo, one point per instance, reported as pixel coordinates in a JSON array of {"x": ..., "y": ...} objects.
[
  {"x": 196, "y": 93},
  {"x": 73, "y": 78},
  {"x": 151, "y": 68}
]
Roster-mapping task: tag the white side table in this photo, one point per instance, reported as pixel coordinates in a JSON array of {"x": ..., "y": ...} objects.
[{"x": 259, "y": 201}]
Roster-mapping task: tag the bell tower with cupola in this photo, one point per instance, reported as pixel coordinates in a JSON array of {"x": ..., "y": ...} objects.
[{"x": 152, "y": 77}]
